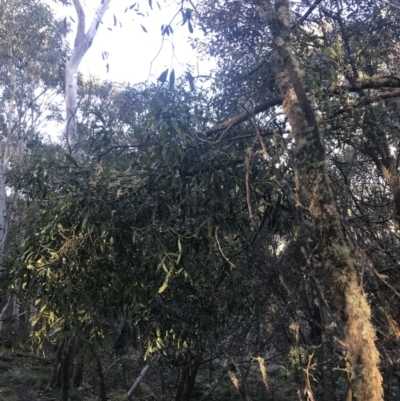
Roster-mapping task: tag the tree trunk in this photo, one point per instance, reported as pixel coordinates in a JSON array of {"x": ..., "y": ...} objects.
[
  {"x": 65, "y": 370},
  {"x": 55, "y": 378},
  {"x": 315, "y": 194},
  {"x": 83, "y": 41},
  {"x": 188, "y": 378},
  {"x": 327, "y": 353},
  {"x": 4, "y": 161},
  {"x": 102, "y": 383}
]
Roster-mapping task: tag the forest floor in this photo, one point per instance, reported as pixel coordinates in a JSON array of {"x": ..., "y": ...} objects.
[{"x": 26, "y": 379}]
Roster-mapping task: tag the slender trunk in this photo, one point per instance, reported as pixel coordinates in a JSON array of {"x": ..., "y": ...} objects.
[
  {"x": 55, "y": 378},
  {"x": 83, "y": 41},
  {"x": 4, "y": 160},
  {"x": 191, "y": 377},
  {"x": 78, "y": 376},
  {"x": 65, "y": 369},
  {"x": 327, "y": 353},
  {"x": 3, "y": 313},
  {"x": 316, "y": 195},
  {"x": 102, "y": 383},
  {"x": 188, "y": 378}
]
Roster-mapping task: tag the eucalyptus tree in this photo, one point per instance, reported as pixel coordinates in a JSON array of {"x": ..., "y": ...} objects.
[
  {"x": 83, "y": 40},
  {"x": 31, "y": 53}
]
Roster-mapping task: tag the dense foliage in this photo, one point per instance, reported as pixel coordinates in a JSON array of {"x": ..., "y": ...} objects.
[{"x": 199, "y": 244}]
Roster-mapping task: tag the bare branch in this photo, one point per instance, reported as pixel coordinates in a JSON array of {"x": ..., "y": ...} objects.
[
  {"x": 277, "y": 101},
  {"x": 306, "y": 15}
]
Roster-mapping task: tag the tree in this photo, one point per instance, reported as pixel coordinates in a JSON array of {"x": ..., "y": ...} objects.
[
  {"x": 27, "y": 88},
  {"x": 316, "y": 195},
  {"x": 83, "y": 40}
]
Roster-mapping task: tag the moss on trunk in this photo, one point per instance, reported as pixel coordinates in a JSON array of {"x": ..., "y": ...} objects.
[{"x": 314, "y": 190}]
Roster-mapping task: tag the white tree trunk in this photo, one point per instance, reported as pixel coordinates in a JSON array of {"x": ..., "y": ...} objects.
[
  {"x": 83, "y": 40},
  {"x": 4, "y": 160}
]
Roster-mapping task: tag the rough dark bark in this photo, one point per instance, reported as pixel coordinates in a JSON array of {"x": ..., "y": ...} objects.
[
  {"x": 65, "y": 370},
  {"x": 78, "y": 373},
  {"x": 55, "y": 378},
  {"x": 188, "y": 378},
  {"x": 315, "y": 194}
]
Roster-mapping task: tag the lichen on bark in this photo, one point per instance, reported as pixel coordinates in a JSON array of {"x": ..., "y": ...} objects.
[{"x": 312, "y": 182}]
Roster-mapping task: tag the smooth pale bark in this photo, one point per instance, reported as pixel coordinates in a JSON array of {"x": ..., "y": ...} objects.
[
  {"x": 4, "y": 164},
  {"x": 139, "y": 379},
  {"x": 83, "y": 41},
  {"x": 315, "y": 194}
]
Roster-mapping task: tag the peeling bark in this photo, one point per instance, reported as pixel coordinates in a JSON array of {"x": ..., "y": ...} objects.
[{"x": 312, "y": 183}]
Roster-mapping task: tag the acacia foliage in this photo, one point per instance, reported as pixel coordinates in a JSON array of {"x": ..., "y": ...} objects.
[{"x": 148, "y": 231}]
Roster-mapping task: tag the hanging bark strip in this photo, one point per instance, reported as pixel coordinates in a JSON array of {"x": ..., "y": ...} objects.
[{"x": 313, "y": 186}]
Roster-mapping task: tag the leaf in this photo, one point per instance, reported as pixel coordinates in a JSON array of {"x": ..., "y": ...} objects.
[
  {"x": 163, "y": 77},
  {"x": 115, "y": 20},
  {"x": 151, "y": 4},
  {"x": 167, "y": 30},
  {"x": 133, "y": 5},
  {"x": 85, "y": 220},
  {"x": 190, "y": 27},
  {"x": 172, "y": 79},
  {"x": 144, "y": 29},
  {"x": 180, "y": 251},
  {"x": 165, "y": 283}
]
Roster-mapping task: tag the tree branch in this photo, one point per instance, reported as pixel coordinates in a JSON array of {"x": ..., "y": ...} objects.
[
  {"x": 277, "y": 101},
  {"x": 375, "y": 82},
  {"x": 306, "y": 15}
]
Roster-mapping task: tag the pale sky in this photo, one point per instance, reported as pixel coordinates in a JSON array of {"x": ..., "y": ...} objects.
[{"x": 131, "y": 50}]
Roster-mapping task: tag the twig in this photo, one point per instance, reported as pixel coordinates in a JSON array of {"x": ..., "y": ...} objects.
[{"x": 220, "y": 249}]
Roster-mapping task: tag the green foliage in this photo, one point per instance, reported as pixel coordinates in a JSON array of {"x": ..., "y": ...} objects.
[{"x": 150, "y": 234}]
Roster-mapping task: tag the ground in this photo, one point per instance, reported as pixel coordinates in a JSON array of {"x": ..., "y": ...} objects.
[{"x": 26, "y": 379}]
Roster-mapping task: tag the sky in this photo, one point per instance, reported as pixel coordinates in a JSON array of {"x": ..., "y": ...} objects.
[{"x": 133, "y": 54}]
